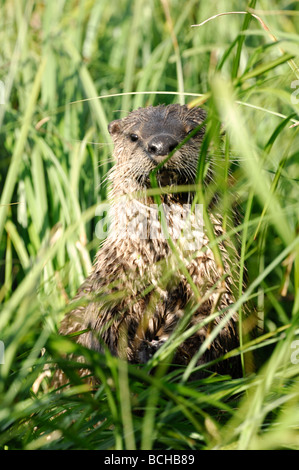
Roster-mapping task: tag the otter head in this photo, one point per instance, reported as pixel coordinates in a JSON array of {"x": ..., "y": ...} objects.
[{"x": 145, "y": 138}]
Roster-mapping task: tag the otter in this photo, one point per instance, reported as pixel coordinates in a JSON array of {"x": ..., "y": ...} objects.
[{"x": 142, "y": 286}]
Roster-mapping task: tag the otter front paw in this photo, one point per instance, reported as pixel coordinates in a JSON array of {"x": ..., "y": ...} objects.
[{"x": 147, "y": 349}]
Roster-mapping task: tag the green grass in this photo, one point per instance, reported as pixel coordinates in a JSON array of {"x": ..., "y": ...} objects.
[{"x": 69, "y": 68}]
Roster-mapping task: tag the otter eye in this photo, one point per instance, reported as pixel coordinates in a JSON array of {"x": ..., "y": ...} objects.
[
  {"x": 133, "y": 137},
  {"x": 192, "y": 130},
  {"x": 191, "y": 127}
]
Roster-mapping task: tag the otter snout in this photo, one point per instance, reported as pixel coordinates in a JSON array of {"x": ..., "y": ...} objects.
[{"x": 161, "y": 145}]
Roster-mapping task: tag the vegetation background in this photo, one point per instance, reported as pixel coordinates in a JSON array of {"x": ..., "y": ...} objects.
[{"x": 67, "y": 68}]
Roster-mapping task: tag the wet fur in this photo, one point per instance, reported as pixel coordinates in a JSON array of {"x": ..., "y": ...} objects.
[{"x": 133, "y": 306}]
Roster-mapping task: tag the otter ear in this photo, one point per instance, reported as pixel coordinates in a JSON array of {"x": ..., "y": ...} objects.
[{"x": 115, "y": 127}]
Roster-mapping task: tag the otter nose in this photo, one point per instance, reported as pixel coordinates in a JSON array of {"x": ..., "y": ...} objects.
[{"x": 161, "y": 144}]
